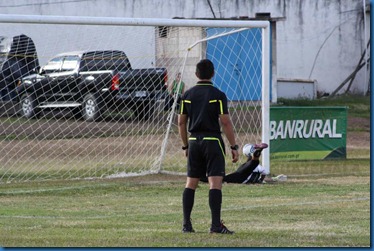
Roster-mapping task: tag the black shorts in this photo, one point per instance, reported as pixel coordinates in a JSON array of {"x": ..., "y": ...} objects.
[{"x": 206, "y": 156}]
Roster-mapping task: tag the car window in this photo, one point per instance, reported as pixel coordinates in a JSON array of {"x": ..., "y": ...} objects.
[
  {"x": 70, "y": 63},
  {"x": 100, "y": 61},
  {"x": 53, "y": 65}
]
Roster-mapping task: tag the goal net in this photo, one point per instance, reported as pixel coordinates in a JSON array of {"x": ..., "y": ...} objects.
[{"x": 58, "y": 122}]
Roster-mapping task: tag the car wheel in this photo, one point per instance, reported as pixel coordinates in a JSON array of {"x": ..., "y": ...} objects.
[
  {"x": 28, "y": 106},
  {"x": 91, "y": 109}
]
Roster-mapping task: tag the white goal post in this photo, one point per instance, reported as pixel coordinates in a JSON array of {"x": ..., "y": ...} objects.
[{"x": 129, "y": 145}]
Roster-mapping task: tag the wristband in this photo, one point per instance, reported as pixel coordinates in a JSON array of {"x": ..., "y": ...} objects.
[{"x": 185, "y": 147}]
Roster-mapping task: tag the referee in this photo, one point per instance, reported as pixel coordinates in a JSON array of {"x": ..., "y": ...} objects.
[{"x": 204, "y": 107}]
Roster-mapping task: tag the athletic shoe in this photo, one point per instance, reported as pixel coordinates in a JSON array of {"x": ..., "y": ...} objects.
[
  {"x": 187, "y": 228},
  {"x": 220, "y": 230},
  {"x": 258, "y": 149},
  {"x": 260, "y": 146}
]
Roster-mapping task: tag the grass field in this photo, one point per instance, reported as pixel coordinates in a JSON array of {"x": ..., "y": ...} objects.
[
  {"x": 322, "y": 204},
  {"x": 146, "y": 212}
]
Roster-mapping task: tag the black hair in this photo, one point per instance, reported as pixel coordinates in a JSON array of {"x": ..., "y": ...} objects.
[{"x": 205, "y": 69}]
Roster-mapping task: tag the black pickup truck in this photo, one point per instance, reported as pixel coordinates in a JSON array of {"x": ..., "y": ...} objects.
[{"x": 91, "y": 83}]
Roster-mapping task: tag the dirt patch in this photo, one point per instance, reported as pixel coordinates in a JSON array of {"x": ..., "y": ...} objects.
[
  {"x": 358, "y": 124},
  {"x": 358, "y": 135},
  {"x": 64, "y": 128}
]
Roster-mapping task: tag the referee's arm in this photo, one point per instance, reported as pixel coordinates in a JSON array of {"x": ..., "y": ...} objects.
[
  {"x": 182, "y": 128},
  {"x": 228, "y": 129}
]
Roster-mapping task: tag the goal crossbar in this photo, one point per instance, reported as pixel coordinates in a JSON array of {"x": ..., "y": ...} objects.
[{"x": 116, "y": 21}]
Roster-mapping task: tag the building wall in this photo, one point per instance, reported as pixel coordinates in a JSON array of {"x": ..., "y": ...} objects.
[
  {"x": 172, "y": 49},
  {"x": 320, "y": 40}
]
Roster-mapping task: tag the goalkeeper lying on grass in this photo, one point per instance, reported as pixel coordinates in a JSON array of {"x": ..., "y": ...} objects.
[{"x": 250, "y": 172}]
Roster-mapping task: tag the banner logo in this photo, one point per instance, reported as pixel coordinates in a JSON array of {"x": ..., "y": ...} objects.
[{"x": 304, "y": 129}]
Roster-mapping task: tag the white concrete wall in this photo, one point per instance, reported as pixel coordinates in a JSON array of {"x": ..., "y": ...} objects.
[
  {"x": 171, "y": 52},
  {"x": 318, "y": 39},
  {"x": 321, "y": 40}
]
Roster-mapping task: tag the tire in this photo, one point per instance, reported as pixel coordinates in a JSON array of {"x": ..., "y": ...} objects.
[
  {"x": 91, "y": 110},
  {"x": 144, "y": 111},
  {"x": 28, "y": 106}
]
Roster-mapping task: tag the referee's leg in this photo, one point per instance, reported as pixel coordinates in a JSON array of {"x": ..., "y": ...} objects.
[
  {"x": 188, "y": 199},
  {"x": 215, "y": 199}
]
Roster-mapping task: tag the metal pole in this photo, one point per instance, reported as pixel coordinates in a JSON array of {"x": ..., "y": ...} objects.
[
  {"x": 266, "y": 96},
  {"x": 366, "y": 54},
  {"x": 116, "y": 21}
]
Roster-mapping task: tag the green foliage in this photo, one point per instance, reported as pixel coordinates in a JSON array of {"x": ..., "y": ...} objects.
[{"x": 358, "y": 106}]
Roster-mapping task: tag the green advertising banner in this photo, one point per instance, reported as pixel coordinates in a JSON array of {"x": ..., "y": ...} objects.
[{"x": 308, "y": 133}]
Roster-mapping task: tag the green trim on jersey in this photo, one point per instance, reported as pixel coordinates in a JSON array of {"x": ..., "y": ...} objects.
[
  {"x": 211, "y": 138},
  {"x": 182, "y": 105},
  {"x": 201, "y": 84},
  {"x": 220, "y": 104}
]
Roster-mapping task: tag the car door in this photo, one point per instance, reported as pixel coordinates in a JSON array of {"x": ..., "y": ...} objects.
[
  {"x": 68, "y": 78},
  {"x": 49, "y": 87}
]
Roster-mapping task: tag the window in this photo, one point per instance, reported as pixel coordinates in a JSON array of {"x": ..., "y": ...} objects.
[
  {"x": 70, "y": 63},
  {"x": 101, "y": 61},
  {"x": 53, "y": 65},
  {"x": 163, "y": 31}
]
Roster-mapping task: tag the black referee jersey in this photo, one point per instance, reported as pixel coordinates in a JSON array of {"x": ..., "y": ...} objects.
[{"x": 203, "y": 104}]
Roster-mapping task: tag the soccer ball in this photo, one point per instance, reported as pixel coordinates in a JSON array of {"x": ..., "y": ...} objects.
[{"x": 248, "y": 149}]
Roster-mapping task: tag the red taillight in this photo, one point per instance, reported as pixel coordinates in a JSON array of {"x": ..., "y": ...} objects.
[
  {"x": 166, "y": 77},
  {"x": 115, "y": 83}
]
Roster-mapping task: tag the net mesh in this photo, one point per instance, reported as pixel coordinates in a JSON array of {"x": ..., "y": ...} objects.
[{"x": 57, "y": 122}]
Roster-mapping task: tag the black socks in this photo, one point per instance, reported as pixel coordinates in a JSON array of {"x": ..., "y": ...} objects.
[
  {"x": 187, "y": 200},
  {"x": 215, "y": 201}
]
